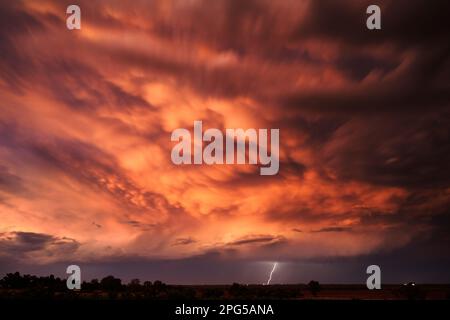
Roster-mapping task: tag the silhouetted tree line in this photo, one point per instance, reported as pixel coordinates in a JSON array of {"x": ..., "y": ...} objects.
[
  {"x": 15, "y": 285},
  {"x": 18, "y": 281}
]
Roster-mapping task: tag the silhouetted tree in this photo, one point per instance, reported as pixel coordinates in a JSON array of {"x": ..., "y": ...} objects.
[
  {"x": 15, "y": 281},
  {"x": 134, "y": 288},
  {"x": 236, "y": 290},
  {"x": 411, "y": 291},
  {"x": 110, "y": 283},
  {"x": 93, "y": 285},
  {"x": 314, "y": 287},
  {"x": 212, "y": 293}
]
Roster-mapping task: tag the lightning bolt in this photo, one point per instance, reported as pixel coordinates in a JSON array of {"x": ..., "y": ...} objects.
[{"x": 271, "y": 272}]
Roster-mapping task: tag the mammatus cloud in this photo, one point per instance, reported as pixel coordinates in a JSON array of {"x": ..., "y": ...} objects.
[{"x": 86, "y": 118}]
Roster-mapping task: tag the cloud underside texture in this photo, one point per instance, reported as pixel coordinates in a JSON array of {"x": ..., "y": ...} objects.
[{"x": 86, "y": 118}]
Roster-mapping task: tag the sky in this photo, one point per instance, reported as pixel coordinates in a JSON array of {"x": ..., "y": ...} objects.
[{"x": 86, "y": 118}]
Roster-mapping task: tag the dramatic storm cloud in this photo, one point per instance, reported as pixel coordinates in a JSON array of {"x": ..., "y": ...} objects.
[{"x": 364, "y": 117}]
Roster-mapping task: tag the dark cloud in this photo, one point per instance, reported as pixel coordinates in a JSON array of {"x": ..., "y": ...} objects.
[
  {"x": 18, "y": 243},
  {"x": 404, "y": 23},
  {"x": 357, "y": 66},
  {"x": 332, "y": 229},
  {"x": 375, "y": 150},
  {"x": 25, "y": 241},
  {"x": 256, "y": 239},
  {"x": 140, "y": 225}
]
